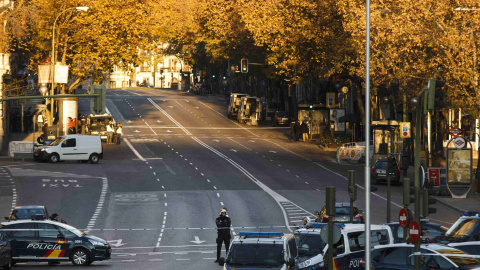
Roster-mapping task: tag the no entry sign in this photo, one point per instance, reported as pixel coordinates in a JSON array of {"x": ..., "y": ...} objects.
[
  {"x": 414, "y": 231},
  {"x": 404, "y": 217}
]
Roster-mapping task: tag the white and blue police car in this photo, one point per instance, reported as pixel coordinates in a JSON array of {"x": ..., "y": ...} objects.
[
  {"x": 52, "y": 241},
  {"x": 262, "y": 250},
  {"x": 348, "y": 251}
]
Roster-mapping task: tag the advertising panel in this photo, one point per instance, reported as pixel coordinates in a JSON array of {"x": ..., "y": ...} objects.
[
  {"x": 335, "y": 114},
  {"x": 70, "y": 110},
  {"x": 459, "y": 164}
]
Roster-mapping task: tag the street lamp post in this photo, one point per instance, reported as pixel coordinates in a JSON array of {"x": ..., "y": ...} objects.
[{"x": 52, "y": 62}]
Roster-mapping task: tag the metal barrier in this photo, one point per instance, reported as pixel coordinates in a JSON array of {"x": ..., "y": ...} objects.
[{"x": 20, "y": 147}]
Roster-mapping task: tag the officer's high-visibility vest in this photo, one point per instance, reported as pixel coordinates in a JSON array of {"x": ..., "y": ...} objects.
[
  {"x": 110, "y": 128},
  {"x": 40, "y": 118},
  {"x": 119, "y": 130}
]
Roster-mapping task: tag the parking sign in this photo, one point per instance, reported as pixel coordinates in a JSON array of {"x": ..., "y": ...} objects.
[{"x": 405, "y": 131}]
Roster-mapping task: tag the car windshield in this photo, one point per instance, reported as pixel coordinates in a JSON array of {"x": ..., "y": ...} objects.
[
  {"x": 57, "y": 141},
  {"x": 460, "y": 261},
  {"x": 464, "y": 227},
  {"x": 381, "y": 165},
  {"x": 27, "y": 213},
  {"x": 309, "y": 244},
  {"x": 342, "y": 211},
  {"x": 256, "y": 255}
]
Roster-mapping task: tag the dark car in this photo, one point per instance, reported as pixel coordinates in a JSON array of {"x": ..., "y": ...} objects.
[
  {"x": 28, "y": 212},
  {"x": 281, "y": 118},
  {"x": 37, "y": 148},
  {"x": 430, "y": 231},
  {"x": 379, "y": 172},
  {"x": 51, "y": 241},
  {"x": 433, "y": 256},
  {"x": 342, "y": 214},
  {"x": 5, "y": 253}
]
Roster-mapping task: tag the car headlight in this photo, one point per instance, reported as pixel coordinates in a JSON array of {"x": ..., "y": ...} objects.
[
  {"x": 304, "y": 264},
  {"x": 95, "y": 243},
  {"x": 94, "y": 132}
]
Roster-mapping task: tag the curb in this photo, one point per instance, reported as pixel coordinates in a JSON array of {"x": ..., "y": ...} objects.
[{"x": 442, "y": 202}]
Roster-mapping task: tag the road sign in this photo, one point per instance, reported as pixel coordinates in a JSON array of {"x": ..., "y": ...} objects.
[
  {"x": 414, "y": 231},
  {"x": 405, "y": 130},
  {"x": 337, "y": 234},
  {"x": 459, "y": 142},
  {"x": 434, "y": 176},
  {"x": 330, "y": 99},
  {"x": 456, "y": 132},
  {"x": 404, "y": 217}
]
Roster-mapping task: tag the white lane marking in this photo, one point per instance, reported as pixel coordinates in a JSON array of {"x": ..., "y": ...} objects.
[
  {"x": 133, "y": 93},
  {"x": 276, "y": 196},
  {"x": 101, "y": 201},
  {"x": 227, "y": 118},
  {"x": 133, "y": 149},
  {"x": 169, "y": 116},
  {"x": 163, "y": 227},
  {"x": 151, "y": 128}
]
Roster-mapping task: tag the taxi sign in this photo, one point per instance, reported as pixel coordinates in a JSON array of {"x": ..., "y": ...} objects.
[
  {"x": 414, "y": 231},
  {"x": 404, "y": 217}
]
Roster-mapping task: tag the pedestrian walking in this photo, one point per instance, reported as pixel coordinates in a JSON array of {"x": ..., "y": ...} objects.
[
  {"x": 305, "y": 131},
  {"x": 110, "y": 132},
  {"x": 223, "y": 232},
  {"x": 298, "y": 130},
  {"x": 292, "y": 130}
]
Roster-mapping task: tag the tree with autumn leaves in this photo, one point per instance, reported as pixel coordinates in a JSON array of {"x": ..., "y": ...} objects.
[{"x": 298, "y": 41}]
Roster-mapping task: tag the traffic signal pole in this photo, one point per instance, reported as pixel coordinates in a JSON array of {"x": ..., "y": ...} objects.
[{"x": 417, "y": 146}]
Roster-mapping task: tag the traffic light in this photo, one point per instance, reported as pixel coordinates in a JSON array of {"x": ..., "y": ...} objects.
[
  {"x": 408, "y": 193},
  {"x": 244, "y": 65},
  {"x": 427, "y": 201},
  {"x": 98, "y": 103},
  {"x": 435, "y": 94},
  {"x": 352, "y": 187},
  {"x": 330, "y": 201}
]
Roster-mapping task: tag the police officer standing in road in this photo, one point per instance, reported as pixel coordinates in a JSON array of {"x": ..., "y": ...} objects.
[{"x": 223, "y": 232}]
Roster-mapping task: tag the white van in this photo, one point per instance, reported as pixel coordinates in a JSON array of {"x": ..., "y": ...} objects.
[{"x": 72, "y": 147}]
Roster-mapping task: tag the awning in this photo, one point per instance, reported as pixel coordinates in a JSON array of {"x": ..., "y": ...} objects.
[{"x": 351, "y": 118}]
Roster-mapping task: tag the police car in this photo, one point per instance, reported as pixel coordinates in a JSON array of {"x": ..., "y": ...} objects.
[
  {"x": 348, "y": 251},
  {"x": 254, "y": 250},
  {"x": 432, "y": 256},
  {"x": 464, "y": 234},
  {"x": 51, "y": 241}
]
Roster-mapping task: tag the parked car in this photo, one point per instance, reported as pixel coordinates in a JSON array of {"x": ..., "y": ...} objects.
[
  {"x": 342, "y": 214},
  {"x": 28, "y": 212},
  {"x": 379, "y": 171},
  {"x": 431, "y": 230},
  {"x": 281, "y": 118},
  {"x": 433, "y": 256},
  {"x": 5, "y": 253}
]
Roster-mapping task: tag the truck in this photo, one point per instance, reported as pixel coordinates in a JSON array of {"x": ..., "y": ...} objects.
[
  {"x": 234, "y": 104},
  {"x": 97, "y": 124},
  {"x": 250, "y": 110}
]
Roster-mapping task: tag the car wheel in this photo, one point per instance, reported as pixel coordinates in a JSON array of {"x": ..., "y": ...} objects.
[
  {"x": 9, "y": 264},
  {"x": 54, "y": 158},
  {"x": 94, "y": 158},
  {"x": 80, "y": 257}
]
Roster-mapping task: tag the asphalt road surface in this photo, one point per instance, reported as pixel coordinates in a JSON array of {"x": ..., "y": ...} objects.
[{"x": 182, "y": 160}]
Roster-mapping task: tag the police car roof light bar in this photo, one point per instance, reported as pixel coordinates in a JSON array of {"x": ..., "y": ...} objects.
[
  {"x": 316, "y": 225},
  {"x": 470, "y": 213},
  {"x": 260, "y": 234}
]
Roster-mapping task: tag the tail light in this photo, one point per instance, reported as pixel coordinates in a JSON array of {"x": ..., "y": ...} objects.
[
  {"x": 276, "y": 118},
  {"x": 326, "y": 218},
  {"x": 374, "y": 170},
  {"x": 397, "y": 172}
]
